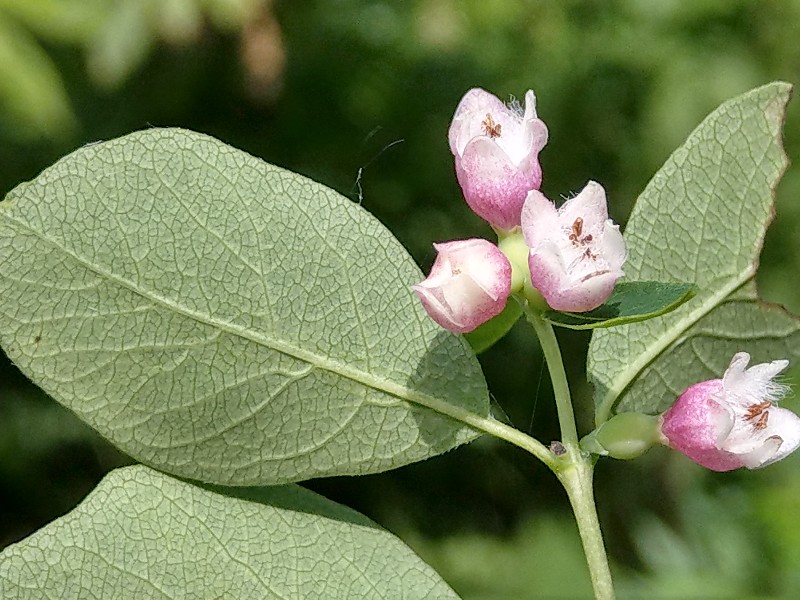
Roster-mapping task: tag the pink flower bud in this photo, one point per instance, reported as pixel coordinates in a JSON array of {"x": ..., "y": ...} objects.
[
  {"x": 469, "y": 283},
  {"x": 496, "y": 150},
  {"x": 724, "y": 424},
  {"x": 576, "y": 251}
]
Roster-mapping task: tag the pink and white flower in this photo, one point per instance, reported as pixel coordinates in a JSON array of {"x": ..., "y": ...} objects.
[
  {"x": 496, "y": 150},
  {"x": 469, "y": 283},
  {"x": 576, "y": 251},
  {"x": 724, "y": 424}
]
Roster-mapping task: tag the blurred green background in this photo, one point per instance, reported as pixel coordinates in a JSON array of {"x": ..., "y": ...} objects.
[{"x": 326, "y": 88}]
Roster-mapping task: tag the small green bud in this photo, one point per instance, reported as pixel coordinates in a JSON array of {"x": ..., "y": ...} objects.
[
  {"x": 512, "y": 244},
  {"x": 625, "y": 436}
]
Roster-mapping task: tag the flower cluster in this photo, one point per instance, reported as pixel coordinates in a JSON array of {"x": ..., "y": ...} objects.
[
  {"x": 575, "y": 253},
  {"x": 571, "y": 257}
]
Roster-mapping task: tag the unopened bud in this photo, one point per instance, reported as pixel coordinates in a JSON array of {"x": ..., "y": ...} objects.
[
  {"x": 516, "y": 251},
  {"x": 625, "y": 436}
]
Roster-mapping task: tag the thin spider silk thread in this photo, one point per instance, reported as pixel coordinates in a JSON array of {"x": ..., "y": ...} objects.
[
  {"x": 536, "y": 398},
  {"x": 360, "y": 172}
]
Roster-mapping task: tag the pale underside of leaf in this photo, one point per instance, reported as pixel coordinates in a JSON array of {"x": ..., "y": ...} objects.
[
  {"x": 223, "y": 319},
  {"x": 143, "y": 534},
  {"x": 701, "y": 219},
  {"x": 741, "y": 322}
]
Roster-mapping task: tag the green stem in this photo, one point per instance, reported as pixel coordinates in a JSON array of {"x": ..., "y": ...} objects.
[
  {"x": 504, "y": 432},
  {"x": 577, "y": 480},
  {"x": 552, "y": 354},
  {"x": 574, "y": 470}
]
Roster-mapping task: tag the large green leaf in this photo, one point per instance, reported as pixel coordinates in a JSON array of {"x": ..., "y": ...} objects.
[
  {"x": 143, "y": 534},
  {"x": 701, "y": 219},
  {"x": 223, "y": 319}
]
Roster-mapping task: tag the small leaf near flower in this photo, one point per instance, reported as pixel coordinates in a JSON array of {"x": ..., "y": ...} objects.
[{"x": 630, "y": 302}]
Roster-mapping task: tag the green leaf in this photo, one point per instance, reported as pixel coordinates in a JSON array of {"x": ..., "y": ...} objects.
[
  {"x": 701, "y": 219},
  {"x": 741, "y": 322},
  {"x": 226, "y": 320},
  {"x": 631, "y": 302},
  {"x": 143, "y": 534},
  {"x": 488, "y": 334}
]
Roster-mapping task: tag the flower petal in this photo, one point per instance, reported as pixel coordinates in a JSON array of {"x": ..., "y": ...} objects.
[
  {"x": 742, "y": 384},
  {"x": 534, "y": 131},
  {"x": 539, "y": 218},
  {"x": 589, "y": 205},
  {"x": 561, "y": 292},
  {"x": 612, "y": 247},
  {"x": 576, "y": 252},
  {"x": 468, "y": 119},
  {"x": 784, "y": 425},
  {"x": 494, "y": 188}
]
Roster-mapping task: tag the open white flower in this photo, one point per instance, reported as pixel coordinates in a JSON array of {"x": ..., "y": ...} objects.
[
  {"x": 576, "y": 251},
  {"x": 733, "y": 422},
  {"x": 496, "y": 150}
]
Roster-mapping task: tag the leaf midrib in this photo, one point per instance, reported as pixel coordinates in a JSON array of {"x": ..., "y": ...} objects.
[
  {"x": 661, "y": 344},
  {"x": 669, "y": 337},
  {"x": 317, "y": 361}
]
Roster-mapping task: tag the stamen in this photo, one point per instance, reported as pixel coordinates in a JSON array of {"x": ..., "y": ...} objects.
[
  {"x": 577, "y": 229},
  {"x": 491, "y": 128},
  {"x": 762, "y": 421},
  {"x": 758, "y": 414},
  {"x": 575, "y": 233}
]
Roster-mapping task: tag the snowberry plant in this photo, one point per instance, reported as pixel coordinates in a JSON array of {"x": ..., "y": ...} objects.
[{"x": 237, "y": 328}]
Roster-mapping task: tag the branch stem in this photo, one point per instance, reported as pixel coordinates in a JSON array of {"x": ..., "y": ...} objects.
[
  {"x": 574, "y": 469},
  {"x": 552, "y": 354},
  {"x": 507, "y": 433},
  {"x": 577, "y": 481}
]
